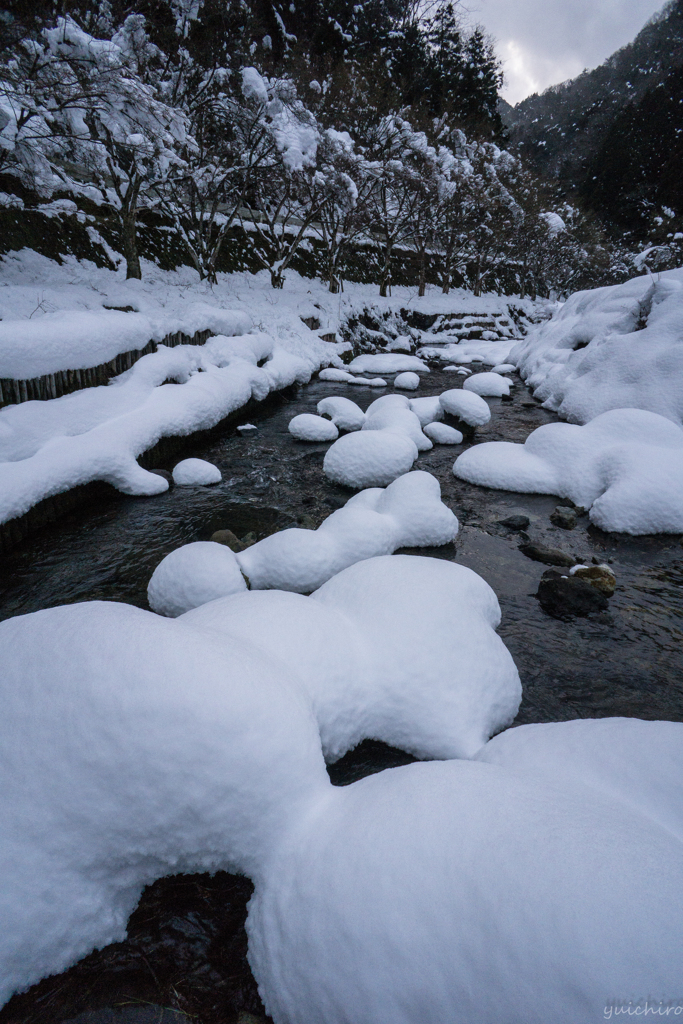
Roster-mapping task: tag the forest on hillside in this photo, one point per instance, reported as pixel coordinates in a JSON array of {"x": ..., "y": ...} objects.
[
  {"x": 613, "y": 138},
  {"x": 347, "y": 140}
]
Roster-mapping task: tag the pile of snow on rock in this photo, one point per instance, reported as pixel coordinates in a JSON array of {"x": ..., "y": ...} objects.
[{"x": 409, "y": 513}]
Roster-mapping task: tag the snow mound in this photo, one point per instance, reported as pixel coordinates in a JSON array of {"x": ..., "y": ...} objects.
[
  {"x": 489, "y": 352},
  {"x": 388, "y": 402},
  {"x": 409, "y": 513},
  {"x": 154, "y": 749},
  {"x": 195, "y": 472},
  {"x": 639, "y": 764},
  {"x": 444, "y": 891},
  {"x": 503, "y": 368},
  {"x": 610, "y": 348},
  {"x": 354, "y": 646},
  {"x": 626, "y": 466},
  {"x": 344, "y": 413},
  {"x": 306, "y": 427},
  {"x": 427, "y": 410},
  {"x": 192, "y": 575},
  {"x": 407, "y": 381},
  {"x": 487, "y": 384},
  {"x": 371, "y": 382},
  {"x": 387, "y": 362},
  {"x": 466, "y": 406},
  {"x": 441, "y": 433},
  {"x": 399, "y": 421},
  {"x": 369, "y": 458},
  {"x": 333, "y": 374}
]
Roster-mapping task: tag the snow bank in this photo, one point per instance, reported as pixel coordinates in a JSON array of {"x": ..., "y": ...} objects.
[
  {"x": 98, "y": 433},
  {"x": 487, "y": 384},
  {"x": 409, "y": 513},
  {"x": 133, "y": 747},
  {"x": 626, "y": 466},
  {"x": 307, "y": 427},
  {"x": 344, "y": 413},
  {"x": 466, "y": 406},
  {"x": 195, "y": 472},
  {"x": 447, "y": 891},
  {"x": 610, "y": 348}
]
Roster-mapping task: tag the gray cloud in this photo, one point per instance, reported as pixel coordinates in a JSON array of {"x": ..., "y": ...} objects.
[{"x": 543, "y": 42}]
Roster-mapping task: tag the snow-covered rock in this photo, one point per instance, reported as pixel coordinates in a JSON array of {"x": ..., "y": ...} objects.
[
  {"x": 626, "y": 466},
  {"x": 387, "y": 362},
  {"x": 409, "y": 513},
  {"x": 487, "y": 384},
  {"x": 466, "y": 406},
  {"x": 503, "y": 368},
  {"x": 399, "y": 421},
  {"x": 133, "y": 747},
  {"x": 369, "y": 458},
  {"x": 192, "y": 575},
  {"x": 610, "y": 348},
  {"x": 332, "y": 373},
  {"x": 447, "y": 890},
  {"x": 407, "y": 381},
  {"x": 195, "y": 472},
  {"x": 344, "y": 413},
  {"x": 355, "y": 646},
  {"x": 307, "y": 427},
  {"x": 427, "y": 410},
  {"x": 441, "y": 433}
]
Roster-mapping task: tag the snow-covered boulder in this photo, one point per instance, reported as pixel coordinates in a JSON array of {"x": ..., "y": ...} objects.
[
  {"x": 626, "y": 466},
  {"x": 369, "y": 458},
  {"x": 441, "y": 433},
  {"x": 398, "y": 421},
  {"x": 339, "y": 376},
  {"x": 195, "y": 473},
  {"x": 133, "y": 747},
  {"x": 192, "y": 575},
  {"x": 307, "y": 427},
  {"x": 466, "y": 406},
  {"x": 378, "y": 659},
  {"x": 444, "y": 891},
  {"x": 409, "y": 513},
  {"x": 344, "y": 413},
  {"x": 387, "y": 362},
  {"x": 503, "y": 368},
  {"x": 427, "y": 410},
  {"x": 407, "y": 381},
  {"x": 487, "y": 384}
]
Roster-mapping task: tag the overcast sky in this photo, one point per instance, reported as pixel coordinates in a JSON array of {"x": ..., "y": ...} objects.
[{"x": 542, "y": 42}]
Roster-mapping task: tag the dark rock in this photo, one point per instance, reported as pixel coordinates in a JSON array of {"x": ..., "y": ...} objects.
[
  {"x": 564, "y": 517},
  {"x": 599, "y": 576},
  {"x": 312, "y": 322},
  {"x": 506, "y": 398},
  {"x": 549, "y": 556},
  {"x": 228, "y": 538},
  {"x": 515, "y": 522},
  {"x": 568, "y": 597},
  {"x": 165, "y": 474}
]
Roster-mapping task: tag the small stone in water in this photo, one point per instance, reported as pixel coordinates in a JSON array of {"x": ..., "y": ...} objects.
[
  {"x": 228, "y": 538},
  {"x": 515, "y": 522},
  {"x": 247, "y": 428},
  {"x": 550, "y": 556},
  {"x": 564, "y": 517}
]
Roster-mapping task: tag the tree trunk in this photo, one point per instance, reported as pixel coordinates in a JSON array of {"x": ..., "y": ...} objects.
[
  {"x": 385, "y": 280},
  {"x": 422, "y": 278},
  {"x": 276, "y": 278},
  {"x": 130, "y": 245}
]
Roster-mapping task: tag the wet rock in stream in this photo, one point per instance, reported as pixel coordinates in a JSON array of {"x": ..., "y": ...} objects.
[{"x": 567, "y": 597}]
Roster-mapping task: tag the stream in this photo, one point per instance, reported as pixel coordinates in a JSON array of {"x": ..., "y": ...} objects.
[{"x": 185, "y": 957}]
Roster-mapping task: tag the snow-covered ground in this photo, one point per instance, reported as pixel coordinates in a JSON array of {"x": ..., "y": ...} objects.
[{"x": 55, "y": 317}]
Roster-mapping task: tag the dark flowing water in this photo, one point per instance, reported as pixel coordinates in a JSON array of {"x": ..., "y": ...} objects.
[{"x": 186, "y": 947}]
